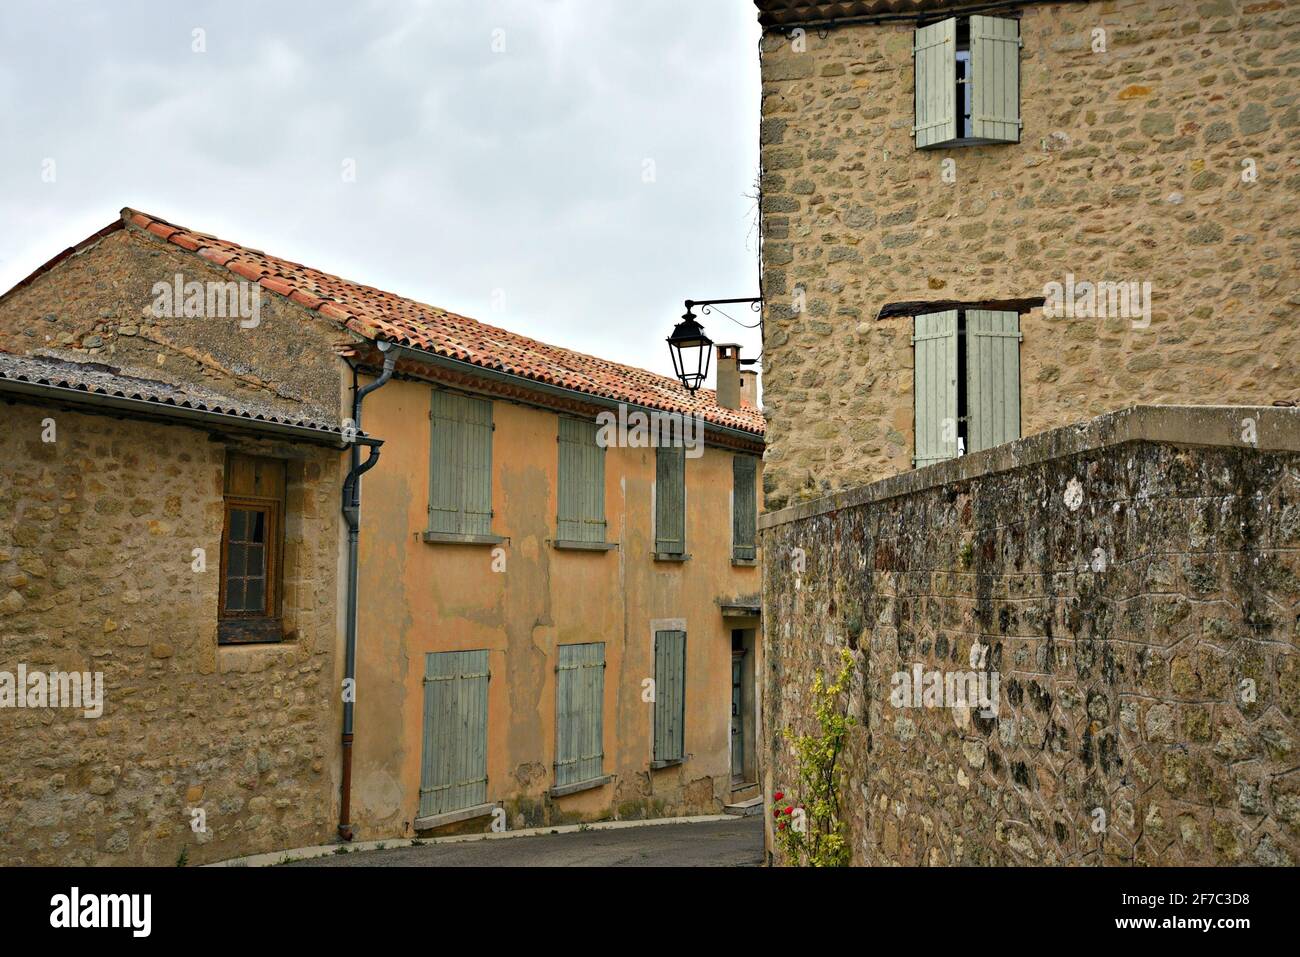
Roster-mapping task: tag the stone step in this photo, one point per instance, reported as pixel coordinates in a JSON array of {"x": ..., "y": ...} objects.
[{"x": 745, "y": 808}]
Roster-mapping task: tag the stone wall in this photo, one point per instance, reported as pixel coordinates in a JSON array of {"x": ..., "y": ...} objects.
[
  {"x": 1129, "y": 168},
  {"x": 1138, "y": 597},
  {"x": 96, "y": 306},
  {"x": 97, "y": 531}
]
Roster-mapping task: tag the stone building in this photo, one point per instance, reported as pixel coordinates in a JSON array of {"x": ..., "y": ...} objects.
[
  {"x": 125, "y": 502},
  {"x": 557, "y": 600},
  {"x": 1151, "y": 143},
  {"x": 987, "y": 228}
]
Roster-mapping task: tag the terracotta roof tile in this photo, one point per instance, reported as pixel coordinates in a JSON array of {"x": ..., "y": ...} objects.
[{"x": 374, "y": 313}]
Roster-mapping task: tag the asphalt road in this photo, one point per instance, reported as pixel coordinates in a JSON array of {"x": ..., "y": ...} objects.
[{"x": 736, "y": 843}]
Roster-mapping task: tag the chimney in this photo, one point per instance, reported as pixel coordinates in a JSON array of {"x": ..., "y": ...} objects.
[{"x": 737, "y": 385}]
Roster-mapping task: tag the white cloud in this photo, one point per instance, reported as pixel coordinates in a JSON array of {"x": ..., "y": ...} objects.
[{"x": 476, "y": 171}]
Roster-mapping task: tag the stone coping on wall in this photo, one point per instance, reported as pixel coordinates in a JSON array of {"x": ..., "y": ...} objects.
[{"x": 1274, "y": 429}]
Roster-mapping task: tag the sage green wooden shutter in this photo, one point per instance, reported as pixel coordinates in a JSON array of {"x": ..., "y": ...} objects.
[
  {"x": 995, "y": 78},
  {"x": 934, "y": 55},
  {"x": 670, "y": 499},
  {"x": 579, "y": 713},
  {"x": 670, "y": 696},
  {"x": 460, "y": 464},
  {"x": 934, "y": 357},
  {"x": 453, "y": 767},
  {"x": 582, "y": 483},
  {"x": 992, "y": 378},
  {"x": 744, "y": 508}
]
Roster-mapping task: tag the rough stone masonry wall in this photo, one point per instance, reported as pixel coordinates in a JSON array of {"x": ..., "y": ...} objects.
[
  {"x": 1121, "y": 672},
  {"x": 96, "y": 537},
  {"x": 96, "y": 306},
  {"x": 1129, "y": 168}
]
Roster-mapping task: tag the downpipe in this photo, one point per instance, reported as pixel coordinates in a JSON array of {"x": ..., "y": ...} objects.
[{"x": 352, "y": 515}]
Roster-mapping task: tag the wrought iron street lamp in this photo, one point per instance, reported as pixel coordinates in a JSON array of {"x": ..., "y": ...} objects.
[{"x": 691, "y": 349}]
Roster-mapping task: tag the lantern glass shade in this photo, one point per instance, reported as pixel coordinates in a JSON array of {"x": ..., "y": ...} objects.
[{"x": 691, "y": 351}]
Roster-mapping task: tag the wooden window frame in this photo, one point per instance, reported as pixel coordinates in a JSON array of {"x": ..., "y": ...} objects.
[
  {"x": 962, "y": 81},
  {"x": 966, "y": 418},
  {"x": 246, "y": 627}
]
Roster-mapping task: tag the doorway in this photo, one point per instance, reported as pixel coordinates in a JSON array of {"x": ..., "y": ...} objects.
[{"x": 743, "y": 726}]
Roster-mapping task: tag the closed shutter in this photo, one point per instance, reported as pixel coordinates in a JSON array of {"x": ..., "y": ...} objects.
[
  {"x": 670, "y": 499},
  {"x": 582, "y": 483},
  {"x": 579, "y": 713},
  {"x": 744, "y": 508},
  {"x": 934, "y": 53},
  {"x": 453, "y": 767},
  {"x": 934, "y": 345},
  {"x": 670, "y": 697},
  {"x": 992, "y": 378},
  {"x": 995, "y": 79},
  {"x": 460, "y": 465}
]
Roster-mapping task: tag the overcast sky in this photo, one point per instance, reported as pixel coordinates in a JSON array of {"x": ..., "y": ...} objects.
[{"x": 568, "y": 169}]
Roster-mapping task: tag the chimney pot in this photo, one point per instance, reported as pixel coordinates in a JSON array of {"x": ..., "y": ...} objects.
[{"x": 729, "y": 375}]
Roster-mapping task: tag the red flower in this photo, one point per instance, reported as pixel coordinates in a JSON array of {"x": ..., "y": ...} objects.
[
  {"x": 777, "y": 796},
  {"x": 789, "y": 810},
  {"x": 776, "y": 812},
  {"x": 781, "y": 826}
]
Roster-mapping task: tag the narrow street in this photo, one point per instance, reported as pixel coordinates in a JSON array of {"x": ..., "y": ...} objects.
[{"x": 737, "y": 843}]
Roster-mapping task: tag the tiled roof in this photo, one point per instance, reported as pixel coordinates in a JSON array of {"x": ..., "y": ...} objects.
[
  {"x": 777, "y": 13},
  {"x": 94, "y": 380},
  {"x": 374, "y": 313}
]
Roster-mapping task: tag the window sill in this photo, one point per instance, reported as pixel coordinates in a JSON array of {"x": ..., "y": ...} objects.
[
  {"x": 961, "y": 141},
  {"x": 670, "y": 556},
  {"x": 451, "y": 538},
  {"x": 451, "y": 817},
  {"x": 745, "y": 562},
  {"x": 561, "y": 790},
  {"x": 570, "y": 545},
  {"x": 235, "y": 632},
  {"x": 667, "y": 763}
]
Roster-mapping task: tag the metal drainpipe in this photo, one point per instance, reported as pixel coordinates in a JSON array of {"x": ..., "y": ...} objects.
[{"x": 352, "y": 514}]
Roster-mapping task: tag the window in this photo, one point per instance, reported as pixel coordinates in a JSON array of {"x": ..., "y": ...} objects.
[
  {"x": 670, "y": 698},
  {"x": 581, "y": 483},
  {"x": 460, "y": 467},
  {"x": 670, "y": 500},
  {"x": 967, "y": 82},
  {"x": 579, "y": 715},
  {"x": 251, "y": 545},
  {"x": 967, "y": 382},
  {"x": 453, "y": 765},
  {"x": 744, "y": 508}
]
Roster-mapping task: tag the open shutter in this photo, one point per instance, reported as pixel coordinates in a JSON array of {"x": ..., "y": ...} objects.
[
  {"x": 995, "y": 78},
  {"x": 453, "y": 771},
  {"x": 934, "y": 345},
  {"x": 579, "y": 713},
  {"x": 460, "y": 465},
  {"x": 744, "y": 508},
  {"x": 992, "y": 378},
  {"x": 934, "y": 53},
  {"x": 670, "y": 499},
  {"x": 478, "y": 467},
  {"x": 670, "y": 697},
  {"x": 582, "y": 483}
]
